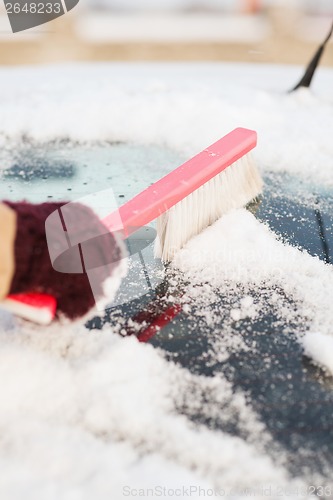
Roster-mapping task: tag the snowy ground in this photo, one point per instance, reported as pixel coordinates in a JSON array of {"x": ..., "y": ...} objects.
[{"x": 89, "y": 414}]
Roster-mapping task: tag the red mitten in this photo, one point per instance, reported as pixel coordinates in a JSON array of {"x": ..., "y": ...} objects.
[{"x": 34, "y": 270}]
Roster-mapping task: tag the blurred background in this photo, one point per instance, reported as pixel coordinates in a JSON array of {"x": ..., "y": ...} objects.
[{"x": 263, "y": 31}]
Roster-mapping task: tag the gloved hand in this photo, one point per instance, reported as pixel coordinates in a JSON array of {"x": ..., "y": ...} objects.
[{"x": 27, "y": 266}]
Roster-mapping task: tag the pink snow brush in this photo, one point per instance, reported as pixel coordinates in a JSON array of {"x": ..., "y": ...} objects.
[{"x": 193, "y": 196}]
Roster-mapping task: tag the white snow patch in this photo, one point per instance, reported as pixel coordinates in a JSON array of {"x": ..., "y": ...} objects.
[
  {"x": 92, "y": 413},
  {"x": 183, "y": 106},
  {"x": 239, "y": 250},
  {"x": 319, "y": 347}
]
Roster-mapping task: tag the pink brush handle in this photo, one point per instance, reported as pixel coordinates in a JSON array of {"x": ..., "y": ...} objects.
[{"x": 175, "y": 186}]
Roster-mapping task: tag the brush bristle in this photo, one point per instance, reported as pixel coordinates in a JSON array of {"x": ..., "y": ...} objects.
[{"x": 233, "y": 188}]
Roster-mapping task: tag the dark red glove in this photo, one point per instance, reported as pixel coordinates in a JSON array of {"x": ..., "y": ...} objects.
[{"x": 33, "y": 267}]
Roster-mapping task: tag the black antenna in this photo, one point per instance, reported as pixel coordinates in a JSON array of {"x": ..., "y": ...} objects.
[{"x": 312, "y": 66}]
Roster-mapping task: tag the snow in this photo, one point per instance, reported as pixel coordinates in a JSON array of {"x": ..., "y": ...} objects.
[
  {"x": 92, "y": 413},
  {"x": 319, "y": 347},
  {"x": 86, "y": 413},
  {"x": 239, "y": 250},
  {"x": 142, "y": 103}
]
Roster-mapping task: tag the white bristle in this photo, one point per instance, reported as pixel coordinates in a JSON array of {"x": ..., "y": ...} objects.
[{"x": 233, "y": 188}]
